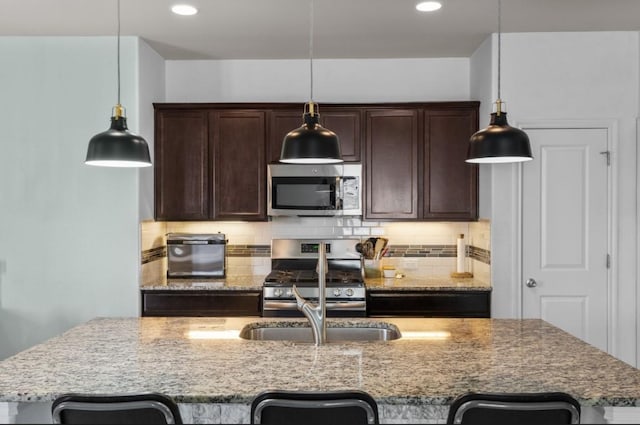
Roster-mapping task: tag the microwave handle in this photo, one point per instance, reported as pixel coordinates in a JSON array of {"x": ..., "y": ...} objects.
[{"x": 339, "y": 192}]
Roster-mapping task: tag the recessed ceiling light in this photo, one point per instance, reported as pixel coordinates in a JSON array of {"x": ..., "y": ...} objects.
[
  {"x": 428, "y": 6},
  {"x": 184, "y": 9}
]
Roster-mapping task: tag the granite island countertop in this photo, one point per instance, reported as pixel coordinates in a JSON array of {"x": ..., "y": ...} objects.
[{"x": 202, "y": 360}]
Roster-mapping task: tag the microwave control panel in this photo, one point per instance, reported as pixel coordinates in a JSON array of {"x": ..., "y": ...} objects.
[{"x": 350, "y": 193}]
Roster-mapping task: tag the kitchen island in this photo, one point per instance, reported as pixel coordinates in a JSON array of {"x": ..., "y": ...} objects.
[{"x": 213, "y": 374}]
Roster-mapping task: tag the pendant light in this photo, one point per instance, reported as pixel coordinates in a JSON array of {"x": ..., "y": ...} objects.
[
  {"x": 118, "y": 147},
  {"x": 499, "y": 142},
  {"x": 311, "y": 143}
]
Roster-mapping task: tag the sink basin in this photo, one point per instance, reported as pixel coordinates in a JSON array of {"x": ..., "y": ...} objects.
[{"x": 336, "y": 332}]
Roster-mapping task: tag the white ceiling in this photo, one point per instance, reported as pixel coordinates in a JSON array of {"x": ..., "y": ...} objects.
[{"x": 278, "y": 29}]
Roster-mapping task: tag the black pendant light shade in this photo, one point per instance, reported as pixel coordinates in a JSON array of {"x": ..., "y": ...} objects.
[
  {"x": 311, "y": 143},
  {"x": 499, "y": 143},
  {"x": 118, "y": 147}
]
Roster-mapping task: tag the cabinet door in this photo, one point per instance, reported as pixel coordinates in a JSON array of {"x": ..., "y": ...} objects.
[
  {"x": 346, "y": 123},
  {"x": 181, "y": 165},
  {"x": 450, "y": 184},
  {"x": 238, "y": 158},
  {"x": 429, "y": 304},
  {"x": 392, "y": 164},
  {"x": 201, "y": 303},
  {"x": 281, "y": 122}
]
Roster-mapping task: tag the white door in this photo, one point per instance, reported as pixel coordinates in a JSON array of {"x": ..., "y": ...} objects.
[{"x": 565, "y": 231}]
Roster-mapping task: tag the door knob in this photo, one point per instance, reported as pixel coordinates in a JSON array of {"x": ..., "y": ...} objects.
[{"x": 531, "y": 283}]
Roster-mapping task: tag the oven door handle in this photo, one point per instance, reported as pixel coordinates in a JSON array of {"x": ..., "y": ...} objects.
[
  {"x": 346, "y": 305},
  {"x": 281, "y": 305},
  {"x": 330, "y": 305}
]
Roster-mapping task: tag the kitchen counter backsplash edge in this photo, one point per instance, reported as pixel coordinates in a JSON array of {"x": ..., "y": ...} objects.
[{"x": 415, "y": 251}]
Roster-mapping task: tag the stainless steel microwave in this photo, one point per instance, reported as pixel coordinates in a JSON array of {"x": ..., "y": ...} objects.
[{"x": 314, "y": 189}]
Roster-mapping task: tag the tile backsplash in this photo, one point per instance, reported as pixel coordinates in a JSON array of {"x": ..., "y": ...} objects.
[{"x": 416, "y": 249}]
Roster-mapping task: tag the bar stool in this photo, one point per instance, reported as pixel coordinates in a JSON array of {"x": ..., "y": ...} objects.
[
  {"x": 520, "y": 408},
  {"x": 314, "y": 408},
  {"x": 150, "y": 408}
]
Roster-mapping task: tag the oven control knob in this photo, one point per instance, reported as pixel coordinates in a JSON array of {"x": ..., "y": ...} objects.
[
  {"x": 337, "y": 292},
  {"x": 289, "y": 293},
  {"x": 349, "y": 292},
  {"x": 277, "y": 292}
]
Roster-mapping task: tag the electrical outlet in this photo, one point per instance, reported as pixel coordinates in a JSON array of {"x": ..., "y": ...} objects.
[{"x": 410, "y": 264}]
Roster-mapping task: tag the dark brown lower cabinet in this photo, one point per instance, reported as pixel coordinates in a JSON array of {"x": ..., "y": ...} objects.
[
  {"x": 201, "y": 303},
  {"x": 458, "y": 304}
]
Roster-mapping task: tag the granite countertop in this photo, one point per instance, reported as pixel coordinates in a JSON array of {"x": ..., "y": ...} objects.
[
  {"x": 228, "y": 283},
  {"x": 443, "y": 283},
  {"x": 202, "y": 360},
  {"x": 254, "y": 283}
]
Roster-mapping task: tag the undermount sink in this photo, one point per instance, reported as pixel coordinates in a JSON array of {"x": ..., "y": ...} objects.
[{"x": 336, "y": 332}]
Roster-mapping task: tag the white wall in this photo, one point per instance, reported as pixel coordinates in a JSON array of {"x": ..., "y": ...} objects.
[
  {"x": 483, "y": 88},
  {"x": 563, "y": 76},
  {"x": 335, "y": 80},
  {"x": 505, "y": 301},
  {"x": 151, "y": 81},
  {"x": 68, "y": 232}
]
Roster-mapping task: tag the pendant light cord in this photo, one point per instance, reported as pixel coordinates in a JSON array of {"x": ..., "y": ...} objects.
[
  {"x": 499, "y": 43},
  {"x": 311, "y": 48},
  {"x": 118, "y": 52}
]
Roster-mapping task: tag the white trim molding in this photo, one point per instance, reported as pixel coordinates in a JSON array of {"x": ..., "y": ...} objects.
[{"x": 8, "y": 412}]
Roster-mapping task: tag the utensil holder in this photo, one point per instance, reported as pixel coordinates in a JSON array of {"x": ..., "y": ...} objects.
[{"x": 372, "y": 268}]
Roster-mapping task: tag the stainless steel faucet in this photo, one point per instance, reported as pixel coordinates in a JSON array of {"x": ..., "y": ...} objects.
[{"x": 316, "y": 313}]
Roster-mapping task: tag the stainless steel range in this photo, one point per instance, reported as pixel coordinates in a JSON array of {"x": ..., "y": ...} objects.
[{"x": 294, "y": 261}]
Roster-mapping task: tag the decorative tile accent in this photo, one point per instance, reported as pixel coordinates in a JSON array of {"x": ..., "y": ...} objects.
[
  {"x": 482, "y": 255},
  {"x": 154, "y": 254},
  {"x": 248, "y": 250},
  {"x": 425, "y": 251},
  {"x": 421, "y": 251},
  {"x": 407, "y": 251}
]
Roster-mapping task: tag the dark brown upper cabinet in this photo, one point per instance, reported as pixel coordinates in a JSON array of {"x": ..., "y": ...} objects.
[
  {"x": 450, "y": 184},
  {"x": 210, "y": 163},
  {"x": 238, "y": 149},
  {"x": 281, "y": 122},
  {"x": 182, "y": 178},
  {"x": 415, "y": 162},
  {"x": 345, "y": 122},
  {"x": 210, "y": 159},
  {"x": 391, "y": 168}
]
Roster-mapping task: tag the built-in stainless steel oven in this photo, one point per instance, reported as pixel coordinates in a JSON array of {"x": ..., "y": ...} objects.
[
  {"x": 314, "y": 189},
  {"x": 191, "y": 255},
  {"x": 293, "y": 262}
]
